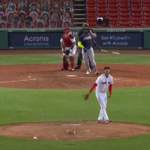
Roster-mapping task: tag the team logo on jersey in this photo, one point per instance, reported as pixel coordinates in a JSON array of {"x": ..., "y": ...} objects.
[{"x": 87, "y": 38}]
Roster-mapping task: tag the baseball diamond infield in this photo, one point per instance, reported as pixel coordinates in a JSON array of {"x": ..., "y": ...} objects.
[{"x": 49, "y": 76}]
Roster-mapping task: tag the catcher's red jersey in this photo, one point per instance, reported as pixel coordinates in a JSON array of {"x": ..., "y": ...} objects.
[{"x": 67, "y": 41}]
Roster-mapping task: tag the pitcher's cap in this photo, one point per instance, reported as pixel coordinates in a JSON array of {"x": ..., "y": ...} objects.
[{"x": 105, "y": 68}]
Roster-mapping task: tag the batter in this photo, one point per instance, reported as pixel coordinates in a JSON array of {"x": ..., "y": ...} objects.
[
  {"x": 102, "y": 83},
  {"x": 85, "y": 42}
]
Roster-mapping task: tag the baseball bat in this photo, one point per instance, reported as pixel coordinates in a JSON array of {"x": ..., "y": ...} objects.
[{"x": 113, "y": 52}]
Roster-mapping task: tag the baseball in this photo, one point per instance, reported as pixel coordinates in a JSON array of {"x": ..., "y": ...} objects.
[
  {"x": 35, "y": 137},
  {"x": 71, "y": 132}
]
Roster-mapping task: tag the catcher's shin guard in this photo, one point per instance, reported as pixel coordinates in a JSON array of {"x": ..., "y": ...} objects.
[
  {"x": 65, "y": 63},
  {"x": 72, "y": 62}
]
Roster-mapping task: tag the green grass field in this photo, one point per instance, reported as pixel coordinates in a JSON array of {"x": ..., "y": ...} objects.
[
  {"x": 55, "y": 59},
  {"x": 24, "y": 105}
]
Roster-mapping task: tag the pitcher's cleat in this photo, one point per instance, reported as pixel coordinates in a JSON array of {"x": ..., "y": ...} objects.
[
  {"x": 100, "y": 121},
  {"x": 107, "y": 121}
]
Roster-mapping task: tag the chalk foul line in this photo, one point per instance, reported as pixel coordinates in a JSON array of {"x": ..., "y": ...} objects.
[{"x": 23, "y": 80}]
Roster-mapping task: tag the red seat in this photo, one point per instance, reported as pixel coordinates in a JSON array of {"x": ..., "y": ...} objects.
[
  {"x": 101, "y": 1},
  {"x": 102, "y": 25},
  {"x": 113, "y": 1},
  {"x": 90, "y": 1},
  {"x": 113, "y": 9},
  {"x": 124, "y": 14},
  {"x": 102, "y": 5},
  {"x": 113, "y": 18},
  {"x": 91, "y": 14},
  {"x": 102, "y": 10},
  {"x": 145, "y": 1},
  {"x": 137, "y": 18},
  {"x": 113, "y": 21},
  {"x": 124, "y": 1},
  {"x": 124, "y": 10},
  {"x": 137, "y": 14},
  {"x": 124, "y": 5},
  {"x": 113, "y": 5},
  {"x": 135, "y": 23},
  {"x": 113, "y": 14},
  {"x": 91, "y": 23},
  {"x": 125, "y": 18},
  {"x": 91, "y": 9},
  {"x": 136, "y": 5},
  {"x": 91, "y": 5},
  {"x": 146, "y": 23},
  {"x": 147, "y": 14},
  {"x": 145, "y": 9},
  {"x": 105, "y": 15},
  {"x": 146, "y": 5},
  {"x": 136, "y": 9},
  {"x": 124, "y": 23},
  {"x": 147, "y": 18},
  {"x": 114, "y": 25},
  {"x": 91, "y": 18},
  {"x": 135, "y": 1}
]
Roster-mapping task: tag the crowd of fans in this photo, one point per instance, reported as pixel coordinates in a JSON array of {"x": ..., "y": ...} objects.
[{"x": 36, "y": 13}]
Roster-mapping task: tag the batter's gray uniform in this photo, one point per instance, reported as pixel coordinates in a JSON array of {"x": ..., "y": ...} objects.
[{"x": 86, "y": 40}]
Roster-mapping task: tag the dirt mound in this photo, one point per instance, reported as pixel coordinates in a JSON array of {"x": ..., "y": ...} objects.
[
  {"x": 51, "y": 77},
  {"x": 81, "y": 130}
]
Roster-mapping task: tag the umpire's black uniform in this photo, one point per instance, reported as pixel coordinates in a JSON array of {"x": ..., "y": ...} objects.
[{"x": 79, "y": 59}]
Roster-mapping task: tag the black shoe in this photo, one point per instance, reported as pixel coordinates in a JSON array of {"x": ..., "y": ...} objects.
[{"x": 76, "y": 67}]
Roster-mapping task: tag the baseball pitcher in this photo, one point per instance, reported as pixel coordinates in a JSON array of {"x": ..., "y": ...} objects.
[{"x": 102, "y": 83}]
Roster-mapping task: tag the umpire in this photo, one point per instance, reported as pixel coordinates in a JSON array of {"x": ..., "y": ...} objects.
[{"x": 95, "y": 46}]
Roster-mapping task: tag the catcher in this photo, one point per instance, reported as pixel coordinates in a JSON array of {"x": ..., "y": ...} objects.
[{"x": 68, "y": 47}]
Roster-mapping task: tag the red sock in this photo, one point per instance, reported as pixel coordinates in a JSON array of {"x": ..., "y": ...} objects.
[{"x": 72, "y": 62}]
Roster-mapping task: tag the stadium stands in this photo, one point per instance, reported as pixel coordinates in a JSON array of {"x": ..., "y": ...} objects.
[
  {"x": 59, "y": 13},
  {"x": 36, "y": 13},
  {"x": 121, "y": 13}
]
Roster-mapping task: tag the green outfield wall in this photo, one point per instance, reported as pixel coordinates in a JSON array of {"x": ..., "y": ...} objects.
[{"x": 109, "y": 38}]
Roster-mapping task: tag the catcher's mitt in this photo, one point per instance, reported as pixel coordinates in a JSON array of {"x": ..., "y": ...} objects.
[
  {"x": 66, "y": 52},
  {"x": 86, "y": 96}
]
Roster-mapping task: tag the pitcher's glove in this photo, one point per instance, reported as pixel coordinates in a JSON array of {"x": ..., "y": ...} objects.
[{"x": 86, "y": 96}]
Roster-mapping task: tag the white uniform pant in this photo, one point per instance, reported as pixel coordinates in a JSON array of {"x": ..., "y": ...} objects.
[{"x": 102, "y": 100}]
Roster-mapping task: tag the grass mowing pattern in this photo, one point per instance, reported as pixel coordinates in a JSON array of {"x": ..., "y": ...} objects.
[
  {"x": 53, "y": 105},
  {"x": 22, "y": 105},
  {"x": 56, "y": 59}
]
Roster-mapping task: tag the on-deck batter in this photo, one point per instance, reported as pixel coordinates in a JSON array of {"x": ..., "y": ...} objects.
[{"x": 102, "y": 83}]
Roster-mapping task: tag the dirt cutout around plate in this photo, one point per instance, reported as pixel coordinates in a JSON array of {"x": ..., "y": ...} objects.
[
  {"x": 51, "y": 77},
  {"x": 81, "y": 130}
]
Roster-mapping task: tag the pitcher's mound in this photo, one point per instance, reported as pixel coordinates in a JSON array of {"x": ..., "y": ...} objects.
[{"x": 77, "y": 130}]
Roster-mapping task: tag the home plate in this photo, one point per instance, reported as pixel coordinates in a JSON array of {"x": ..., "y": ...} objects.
[{"x": 71, "y": 75}]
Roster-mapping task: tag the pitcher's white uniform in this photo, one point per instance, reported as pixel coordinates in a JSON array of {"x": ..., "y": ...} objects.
[{"x": 102, "y": 86}]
